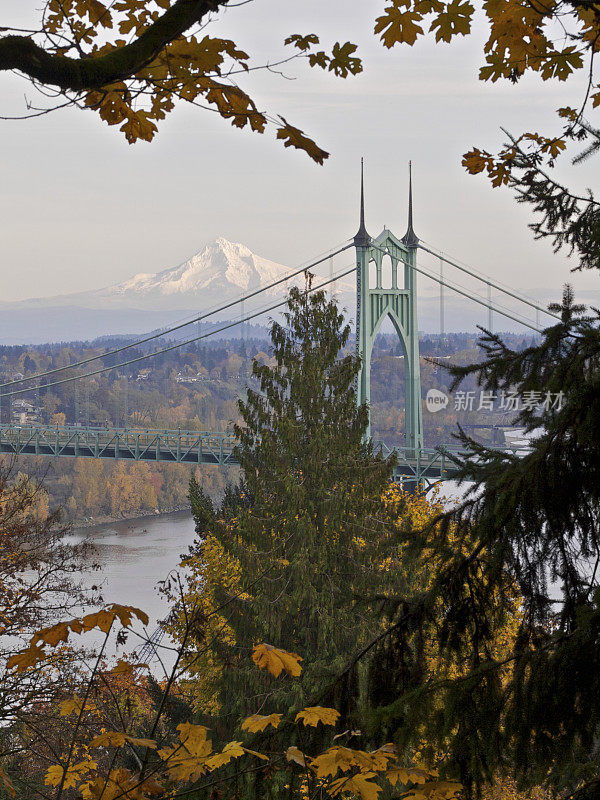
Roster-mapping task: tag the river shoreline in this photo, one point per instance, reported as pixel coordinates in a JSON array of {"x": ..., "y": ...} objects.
[{"x": 79, "y": 525}]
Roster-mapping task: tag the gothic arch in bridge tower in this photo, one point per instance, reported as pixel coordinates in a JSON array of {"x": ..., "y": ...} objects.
[{"x": 374, "y": 303}]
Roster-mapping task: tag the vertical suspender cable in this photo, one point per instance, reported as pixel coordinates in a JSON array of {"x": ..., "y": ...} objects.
[
  {"x": 332, "y": 284},
  {"x": 126, "y": 393},
  {"x": 242, "y": 332},
  {"x": 442, "y": 332}
]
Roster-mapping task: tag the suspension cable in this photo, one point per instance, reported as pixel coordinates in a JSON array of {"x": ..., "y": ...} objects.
[
  {"x": 173, "y": 328},
  {"x": 465, "y": 293},
  {"x": 259, "y": 313},
  {"x": 486, "y": 280},
  {"x": 476, "y": 299},
  {"x": 486, "y": 300}
]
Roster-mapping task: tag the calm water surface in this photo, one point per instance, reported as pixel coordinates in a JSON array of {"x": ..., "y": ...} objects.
[{"x": 134, "y": 555}]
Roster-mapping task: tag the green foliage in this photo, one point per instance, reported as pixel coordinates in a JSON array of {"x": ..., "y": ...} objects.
[
  {"x": 306, "y": 526},
  {"x": 532, "y": 524}
]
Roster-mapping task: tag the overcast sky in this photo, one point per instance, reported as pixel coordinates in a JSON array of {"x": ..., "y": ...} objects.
[{"x": 81, "y": 209}]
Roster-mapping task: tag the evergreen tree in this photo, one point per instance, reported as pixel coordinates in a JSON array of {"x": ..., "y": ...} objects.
[
  {"x": 306, "y": 529},
  {"x": 530, "y": 524}
]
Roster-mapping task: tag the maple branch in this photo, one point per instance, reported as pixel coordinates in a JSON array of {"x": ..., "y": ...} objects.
[
  {"x": 86, "y": 696},
  {"x": 21, "y": 53}
]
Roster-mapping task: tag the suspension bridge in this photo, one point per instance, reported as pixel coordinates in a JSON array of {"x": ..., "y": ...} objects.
[{"x": 374, "y": 304}]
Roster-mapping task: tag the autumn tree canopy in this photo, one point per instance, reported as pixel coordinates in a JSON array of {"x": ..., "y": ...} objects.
[{"x": 131, "y": 60}]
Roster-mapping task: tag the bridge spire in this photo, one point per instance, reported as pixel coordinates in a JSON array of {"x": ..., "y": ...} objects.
[
  {"x": 410, "y": 238},
  {"x": 362, "y": 238}
]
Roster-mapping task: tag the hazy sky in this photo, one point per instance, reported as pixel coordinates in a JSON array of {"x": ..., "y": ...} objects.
[{"x": 80, "y": 208}]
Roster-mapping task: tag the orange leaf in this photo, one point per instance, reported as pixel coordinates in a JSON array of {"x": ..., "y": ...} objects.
[{"x": 294, "y": 137}]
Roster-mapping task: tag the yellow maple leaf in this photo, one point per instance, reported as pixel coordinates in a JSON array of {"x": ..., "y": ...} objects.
[
  {"x": 293, "y": 753},
  {"x": 329, "y": 763},
  {"x": 53, "y": 635},
  {"x": 123, "y": 667},
  {"x": 104, "y": 619},
  {"x": 343, "y": 62},
  {"x": 358, "y": 784},
  {"x": 302, "y": 42},
  {"x": 276, "y": 660},
  {"x": 230, "y": 751},
  {"x": 118, "y": 739},
  {"x": 98, "y": 13},
  {"x": 453, "y": 20},
  {"x": 100, "y": 619},
  {"x": 194, "y": 738},
  {"x": 190, "y": 761},
  {"x": 312, "y": 715},
  {"x": 294, "y": 137},
  {"x": 397, "y": 774},
  {"x": 26, "y": 658},
  {"x": 258, "y": 722},
  {"x": 560, "y": 64},
  {"x": 398, "y": 27},
  {"x": 73, "y": 774}
]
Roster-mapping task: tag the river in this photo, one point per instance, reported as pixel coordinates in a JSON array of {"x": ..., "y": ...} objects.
[{"x": 135, "y": 554}]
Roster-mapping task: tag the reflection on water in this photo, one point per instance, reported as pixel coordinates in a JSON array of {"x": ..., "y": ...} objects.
[{"x": 134, "y": 555}]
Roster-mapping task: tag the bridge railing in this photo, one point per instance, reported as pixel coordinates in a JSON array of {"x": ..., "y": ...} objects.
[
  {"x": 199, "y": 447},
  {"x": 429, "y": 465},
  {"x": 125, "y": 443}
]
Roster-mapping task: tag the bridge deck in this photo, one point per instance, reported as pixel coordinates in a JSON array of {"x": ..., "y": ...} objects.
[{"x": 182, "y": 447}]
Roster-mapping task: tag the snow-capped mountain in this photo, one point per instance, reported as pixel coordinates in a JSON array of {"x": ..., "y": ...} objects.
[{"x": 221, "y": 272}]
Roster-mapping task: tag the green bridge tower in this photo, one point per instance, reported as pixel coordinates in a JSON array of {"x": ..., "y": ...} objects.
[{"x": 374, "y": 303}]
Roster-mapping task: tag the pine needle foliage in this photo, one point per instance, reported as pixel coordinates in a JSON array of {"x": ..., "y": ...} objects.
[
  {"x": 569, "y": 220},
  {"x": 306, "y": 526},
  {"x": 529, "y": 527}
]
